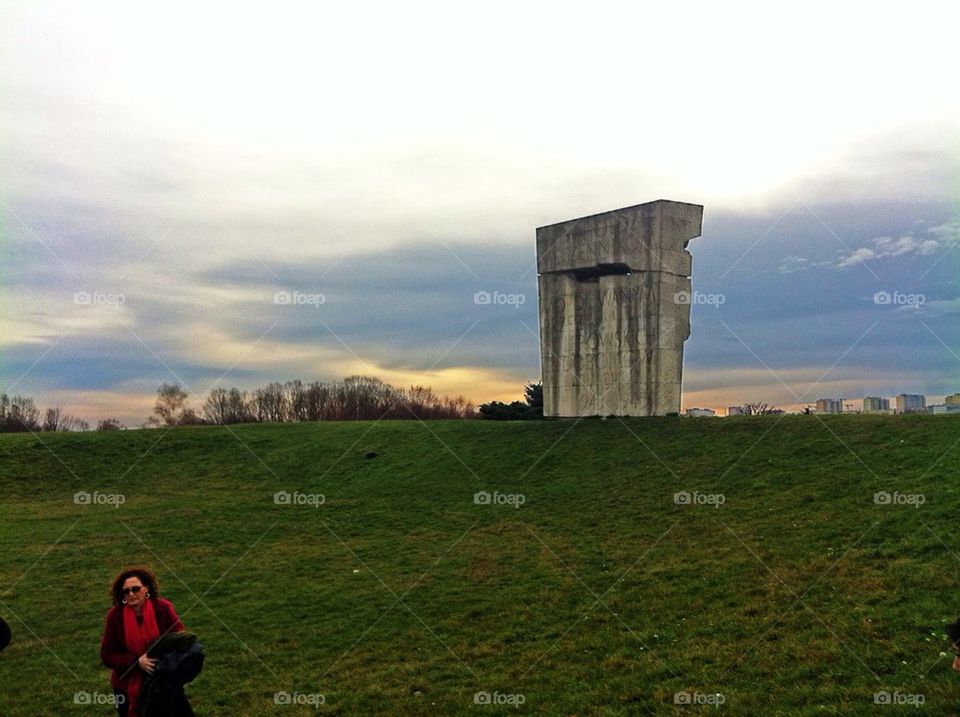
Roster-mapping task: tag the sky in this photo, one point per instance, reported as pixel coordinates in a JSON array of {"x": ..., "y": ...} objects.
[{"x": 167, "y": 172}]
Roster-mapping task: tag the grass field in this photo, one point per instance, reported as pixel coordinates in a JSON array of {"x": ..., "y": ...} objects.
[{"x": 581, "y": 588}]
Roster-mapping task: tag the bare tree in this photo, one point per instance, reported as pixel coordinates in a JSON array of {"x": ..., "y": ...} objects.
[
  {"x": 270, "y": 403},
  {"x": 240, "y": 407},
  {"x": 170, "y": 405},
  {"x": 189, "y": 417},
  {"x": 51, "y": 419},
  {"x": 56, "y": 420},
  {"x": 72, "y": 423},
  {"x": 19, "y": 414},
  {"x": 296, "y": 400},
  {"x": 758, "y": 409},
  {"x": 319, "y": 400},
  {"x": 217, "y": 406}
]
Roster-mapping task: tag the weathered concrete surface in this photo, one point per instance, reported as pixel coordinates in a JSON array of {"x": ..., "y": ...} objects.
[{"x": 615, "y": 309}]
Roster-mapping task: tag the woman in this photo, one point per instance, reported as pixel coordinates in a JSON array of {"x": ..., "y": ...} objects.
[{"x": 138, "y": 617}]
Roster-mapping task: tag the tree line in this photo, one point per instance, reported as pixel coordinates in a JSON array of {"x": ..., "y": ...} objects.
[
  {"x": 531, "y": 408},
  {"x": 19, "y": 414},
  {"x": 355, "y": 398}
]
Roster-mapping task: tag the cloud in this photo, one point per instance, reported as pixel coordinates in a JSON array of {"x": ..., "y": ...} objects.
[
  {"x": 794, "y": 263},
  {"x": 858, "y": 257},
  {"x": 948, "y": 235},
  {"x": 887, "y": 247}
]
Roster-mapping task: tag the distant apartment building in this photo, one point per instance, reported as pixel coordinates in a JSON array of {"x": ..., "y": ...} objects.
[
  {"x": 701, "y": 412},
  {"x": 830, "y": 405},
  {"x": 943, "y": 408},
  {"x": 911, "y": 403},
  {"x": 734, "y": 411},
  {"x": 953, "y": 400},
  {"x": 875, "y": 404}
]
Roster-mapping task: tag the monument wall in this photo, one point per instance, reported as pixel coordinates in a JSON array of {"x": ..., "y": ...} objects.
[{"x": 614, "y": 292}]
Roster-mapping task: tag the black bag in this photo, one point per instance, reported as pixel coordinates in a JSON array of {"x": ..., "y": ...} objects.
[
  {"x": 179, "y": 660},
  {"x": 4, "y": 634},
  {"x": 953, "y": 632}
]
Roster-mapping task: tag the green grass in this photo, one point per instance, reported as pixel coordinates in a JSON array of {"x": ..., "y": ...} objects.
[{"x": 598, "y": 596}]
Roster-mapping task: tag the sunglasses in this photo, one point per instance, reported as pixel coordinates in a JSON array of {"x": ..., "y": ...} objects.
[{"x": 135, "y": 590}]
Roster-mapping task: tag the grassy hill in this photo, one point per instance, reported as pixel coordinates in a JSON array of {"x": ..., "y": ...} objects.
[{"x": 583, "y": 587}]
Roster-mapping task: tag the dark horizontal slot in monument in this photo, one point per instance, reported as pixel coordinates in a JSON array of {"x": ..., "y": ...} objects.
[{"x": 595, "y": 272}]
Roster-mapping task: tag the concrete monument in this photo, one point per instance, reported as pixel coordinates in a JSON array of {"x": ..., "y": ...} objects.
[{"x": 615, "y": 309}]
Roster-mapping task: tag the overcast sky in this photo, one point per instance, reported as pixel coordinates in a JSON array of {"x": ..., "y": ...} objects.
[{"x": 179, "y": 166}]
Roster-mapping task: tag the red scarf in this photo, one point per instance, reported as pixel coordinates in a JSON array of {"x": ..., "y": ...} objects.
[{"x": 138, "y": 638}]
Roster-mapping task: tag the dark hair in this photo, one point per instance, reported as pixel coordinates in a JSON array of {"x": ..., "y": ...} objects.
[{"x": 146, "y": 576}]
